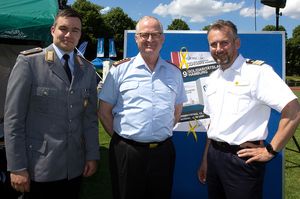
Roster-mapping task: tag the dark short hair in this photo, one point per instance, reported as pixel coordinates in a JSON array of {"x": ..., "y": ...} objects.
[
  {"x": 220, "y": 24},
  {"x": 68, "y": 12}
]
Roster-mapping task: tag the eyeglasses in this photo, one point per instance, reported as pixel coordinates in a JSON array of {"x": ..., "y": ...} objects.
[{"x": 146, "y": 35}]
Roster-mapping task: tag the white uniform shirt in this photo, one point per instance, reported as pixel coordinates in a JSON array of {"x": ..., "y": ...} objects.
[{"x": 239, "y": 101}]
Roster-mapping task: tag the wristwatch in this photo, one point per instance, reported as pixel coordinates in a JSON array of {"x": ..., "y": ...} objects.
[{"x": 271, "y": 150}]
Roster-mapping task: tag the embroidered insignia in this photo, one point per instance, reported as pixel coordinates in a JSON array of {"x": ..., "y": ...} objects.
[
  {"x": 31, "y": 51},
  {"x": 85, "y": 103},
  {"x": 115, "y": 64},
  {"x": 49, "y": 56},
  {"x": 255, "y": 62}
]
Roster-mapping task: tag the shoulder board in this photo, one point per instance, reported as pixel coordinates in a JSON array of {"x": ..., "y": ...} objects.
[
  {"x": 115, "y": 64},
  {"x": 82, "y": 59},
  {"x": 31, "y": 51},
  {"x": 172, "y": 63},
  {"x": 255, "y": 62}
]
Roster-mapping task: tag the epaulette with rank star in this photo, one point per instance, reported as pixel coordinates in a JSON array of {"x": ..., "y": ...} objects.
[
  {"x": 255, "y": 62},
  {"x": 115, "y": 64},
  {"x": 172, "y": 64},
  {"x": 31, "y": 51}
]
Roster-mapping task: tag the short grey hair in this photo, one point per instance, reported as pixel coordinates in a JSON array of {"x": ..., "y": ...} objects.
[{"x": 144, "y": 18}]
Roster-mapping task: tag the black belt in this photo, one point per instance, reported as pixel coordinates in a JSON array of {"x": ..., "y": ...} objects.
[
  {"x": 150, "y": 145},
  {"x": 1, "y": 120},
  {"x": 227, "y": 148}
]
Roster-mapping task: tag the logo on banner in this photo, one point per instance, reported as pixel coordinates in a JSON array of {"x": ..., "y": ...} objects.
[
  {"x": 183, "y": 54},
  {"x": 100, "y": 47},
  {"x": 112, "y": 49}
]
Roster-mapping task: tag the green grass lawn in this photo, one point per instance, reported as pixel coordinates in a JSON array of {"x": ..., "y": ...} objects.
[{"x": 98, "y": 186}]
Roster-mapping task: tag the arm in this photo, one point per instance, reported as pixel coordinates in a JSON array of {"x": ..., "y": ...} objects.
[
  {"x": 203, "y": 166},
  {"x": 177, "y": 113},
  {"x": 16, "y": 109},
  {"x": 90, "y": 168},
  {"x": 290, "y": 119},
  {"x": 20, "y": 180},
  {"x": 106, "y": 117}
]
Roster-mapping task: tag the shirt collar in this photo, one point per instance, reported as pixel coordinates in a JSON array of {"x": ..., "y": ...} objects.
[
  {"x": 236, "y": 66},
  {"x": 60, "y": 52},
  {"x": 139, "y": 61}
]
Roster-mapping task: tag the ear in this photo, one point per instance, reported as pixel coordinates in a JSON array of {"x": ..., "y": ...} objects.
[
  {"x": 52, "y": 30},
  {"x": 237, "y": 43},
  {"x": 162, "y": 38}
]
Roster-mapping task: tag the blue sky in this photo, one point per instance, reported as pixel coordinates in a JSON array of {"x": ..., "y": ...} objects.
[{"x": 199, "y": 13}]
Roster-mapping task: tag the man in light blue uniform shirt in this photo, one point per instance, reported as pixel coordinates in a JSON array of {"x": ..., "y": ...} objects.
[{"x": 140, "y": 102}]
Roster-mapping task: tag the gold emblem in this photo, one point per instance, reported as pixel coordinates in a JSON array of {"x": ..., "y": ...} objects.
[
  {"x": 183, "y": 54},
  {"x": 49, "y": 56},
  {"x": 193, "y": 129},
  {"x": 85, "y": 103}
]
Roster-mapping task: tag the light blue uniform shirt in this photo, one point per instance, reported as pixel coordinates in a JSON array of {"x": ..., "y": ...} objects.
[
  {"x": 144, "y": 101},
  {"x": 60, "y": 55}
]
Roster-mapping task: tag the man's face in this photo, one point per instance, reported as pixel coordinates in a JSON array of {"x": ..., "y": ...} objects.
[
  {"x": 223, "y": 46},
  {"x": 66, "y": 33},
  {"x": 149, "y": 37}
]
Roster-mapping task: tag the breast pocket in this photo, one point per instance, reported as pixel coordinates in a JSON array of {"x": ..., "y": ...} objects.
[
  {"x": 210, "y": 98},
  {"x": 172, "y": 93},
  {"x": 239, "y": 98},
  {"x": 129, "y": 89},
  {"x": 43, "y": 97}
]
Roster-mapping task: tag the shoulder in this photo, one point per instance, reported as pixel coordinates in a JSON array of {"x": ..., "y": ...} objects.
[
  {"x": 255, "y": 62},
  {"x": 122, "y": 61},
  {"x": 31, "y": 51},
  {"x": 83, "y": 61},
  {"x": 256, "y": 65},
  {"x": 172, "y": 64}
]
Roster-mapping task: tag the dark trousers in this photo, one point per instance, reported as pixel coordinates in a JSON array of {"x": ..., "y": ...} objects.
[
  {"x": 61, "y": 189},
  {"x": 141, "y": 172},
  {"x": 229, "y": 177}
]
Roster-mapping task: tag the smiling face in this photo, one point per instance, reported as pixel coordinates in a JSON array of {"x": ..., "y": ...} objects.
[
  {"x": 149, "y": 37},
  {"x": 66, "y": 33},
  {"x": 223, "y": 46}
]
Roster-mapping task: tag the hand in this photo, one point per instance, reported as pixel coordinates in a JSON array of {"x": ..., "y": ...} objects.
[
  {"x": 202, "y": 172},
  {"x": 20, "y": 180},
  {"x": 257, "y": 153},
  {"x": 90, "y": 168}
]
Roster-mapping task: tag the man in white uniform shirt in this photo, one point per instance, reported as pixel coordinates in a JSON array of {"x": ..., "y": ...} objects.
[{"x": 240, "y": 96}]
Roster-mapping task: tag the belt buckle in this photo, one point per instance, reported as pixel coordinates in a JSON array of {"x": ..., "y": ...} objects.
[{"x": 153, "y": 145}]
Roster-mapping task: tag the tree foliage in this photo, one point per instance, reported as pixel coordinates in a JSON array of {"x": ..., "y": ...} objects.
[
  {"x": 117, "y": 22},
  {"x": 292, "y": 53},
  {"x": 93, "y": 25},
  {"x": 206, "y": 27},
  {"x": 178, "y": 24}
]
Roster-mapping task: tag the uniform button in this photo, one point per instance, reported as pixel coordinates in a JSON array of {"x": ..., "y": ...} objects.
[
  {"x": 71, "y": 106},
  {"x": 30, "y": 146},
  {"x": 71, "y": 91},
  {"x": 70, "y": 121}
]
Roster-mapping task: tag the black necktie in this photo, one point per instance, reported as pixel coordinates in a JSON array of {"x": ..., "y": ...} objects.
[{"x": 66, "y": 66}]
